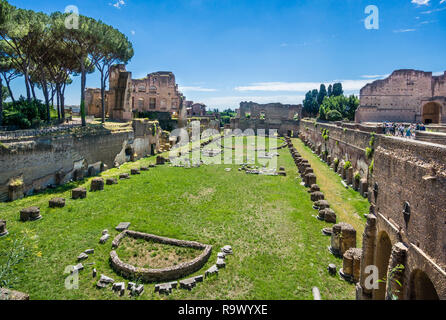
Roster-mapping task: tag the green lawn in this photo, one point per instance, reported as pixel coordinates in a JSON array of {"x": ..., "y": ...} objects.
[{"x": 279, "y": 250}]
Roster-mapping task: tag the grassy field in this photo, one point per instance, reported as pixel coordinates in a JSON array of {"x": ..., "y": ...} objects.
[{"x": 279, "y": 250}]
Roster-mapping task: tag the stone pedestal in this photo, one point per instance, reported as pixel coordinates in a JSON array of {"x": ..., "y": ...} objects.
[
  {"x": 351, "y": 267},
  {"x": 343, "y": 238},
  {"x": 30, "y": 214},
  {"x": 124, "y": 176},
  {"x": 111, "y": 181},
  {"x": 310, "y": 179},
  {"x": 322, "y": 204},
  {"x": 3, "y": 231},
  {"x": 78, "y": 193},
  {"x": 329, "y": 216},
  {"x": 16, "y": 191},
  {"x": 350, "y": 173},
  {"x": 160, "y": 160},
  {"x": 316, "y": 196},
  {"x": 329, "y": 160},
  {"x": 97, "y": 184},
  {"x": 363, "y": 187},
  {"x": 57, "y": 203}
]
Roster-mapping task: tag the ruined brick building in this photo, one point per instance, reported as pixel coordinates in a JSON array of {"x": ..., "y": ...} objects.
[
  {"x": 405, "y": 96},
  {"x": 158, "y": 91},
  {"x": 283, "y": 118}
]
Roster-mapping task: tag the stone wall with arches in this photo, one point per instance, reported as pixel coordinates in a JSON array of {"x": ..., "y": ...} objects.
[{"x": 407, "y": 221}]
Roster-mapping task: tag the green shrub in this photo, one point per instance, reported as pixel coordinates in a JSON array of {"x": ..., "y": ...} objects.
[
  {"x": 372, "y": 167},
  {"x": 24, "y": 114},
  {"x": 357, "y": 177},
  {"x": 369, "y": 152},
  {"x": 336, "y": 161},
  {"x": 334, "y": 115},
  {"x": 347, "y": 165}
]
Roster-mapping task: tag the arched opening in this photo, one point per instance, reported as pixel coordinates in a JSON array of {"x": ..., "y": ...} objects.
[
  {"x": 421, "y": 287},
  {"x": 431, "y": 113},
  {"x": 383, "y": 251}
]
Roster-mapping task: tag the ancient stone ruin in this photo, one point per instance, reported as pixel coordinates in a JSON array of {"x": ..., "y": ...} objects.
[{"x": 155, "y": 275}]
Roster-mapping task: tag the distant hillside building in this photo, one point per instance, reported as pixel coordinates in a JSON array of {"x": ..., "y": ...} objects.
[
  {"x": 405, "y": 96},
  {"x": 158, "y": 91},
  {"x": 196, "y": 110},
  {"x": 283, "y": 118}
]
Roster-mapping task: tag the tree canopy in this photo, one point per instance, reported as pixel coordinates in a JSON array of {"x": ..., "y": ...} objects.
[{"x": 47, "y": 53}]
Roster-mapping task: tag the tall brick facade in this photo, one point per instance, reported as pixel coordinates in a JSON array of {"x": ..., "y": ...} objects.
[
  {"x": 158, "y": 91},
  {"x": 405, "y": 96}
]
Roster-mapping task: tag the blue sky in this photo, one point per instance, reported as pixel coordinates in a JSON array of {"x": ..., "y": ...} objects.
[{"x": 226, "y": 51}]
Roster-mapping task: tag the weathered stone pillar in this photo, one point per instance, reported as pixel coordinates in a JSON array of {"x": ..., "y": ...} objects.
[
  {"x": 363, "y": 187},
  {"x": 351, "y": 264},
  {"x": 342, "y": 238},
  {"x": 395, "y": 273},
  {"x": 368, "y": 252},
  {"x": 310, "y": 179},
  {"x": 350, "y": 175}
]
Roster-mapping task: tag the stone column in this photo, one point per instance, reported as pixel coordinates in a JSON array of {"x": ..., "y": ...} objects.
[
  {"x": 394, "y": 273},
  {"x": 350, "y": 175},
  {"x": 368, "y": 247}
]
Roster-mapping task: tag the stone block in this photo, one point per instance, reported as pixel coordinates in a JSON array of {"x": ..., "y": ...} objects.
[
  {"x": 330, "y": 216},
  {"x": 144, "y": 169},
  {"x": 221, "y": 263},
  {"x": 314, "y": 188},
  {"x": 363, "y": 187},
  {"x": 188, "y": 284},
  {"x": 160, "y": 160},
  {"x": 82, "y": 256},
  {"x": 332, "y": 269},
  {"x": 322, "y": 204},
  {"x": 16, "y": 192},
  {"x": 104, "y": 238},
  {"x": 11, "y": 295},
  {"x": 316, "y": 196},
  {"x": 351, "y": 267},
  {"x": 134, "y": 171},
  {"x": 123, "y": 176},
  {"x": 211, "y": 271},
  {"x": 349, "y": 175},
  {"x": 310, "y": 179},
  {"x": 111, "y": 181},
  {"x": 78, "y": 193},
  {"x": 122, "y": 226},
  {"x": 30, "y": 214},
  {"x": 3, "y": 231},
  {"x": 343, "y": 238},
  {"x": 57, "y": 203},
  {"x": 97, "y": 184}
]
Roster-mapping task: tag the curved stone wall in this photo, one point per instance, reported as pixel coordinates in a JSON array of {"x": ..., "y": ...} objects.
[{"x": 155, "y": 275}]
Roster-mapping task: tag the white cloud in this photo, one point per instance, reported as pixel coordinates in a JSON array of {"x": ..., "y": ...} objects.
[
  {"x": 404, "y": 30},
  {"x": 377, "y": 76},
  {"x": 133, "y": 32},
  {"x": 196, "y": 89},
  {"x": 439, "y": 73},
  {"x": 421, "y": 2},
  {"x": 118, "y": 4},
  {"x": 348, "y": 85}
]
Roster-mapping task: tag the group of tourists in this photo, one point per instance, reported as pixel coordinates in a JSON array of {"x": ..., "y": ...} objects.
[{"x": 403, "y": 130}]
